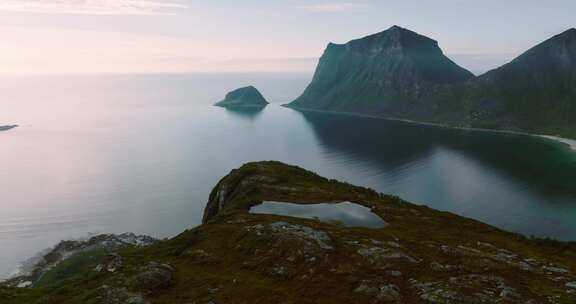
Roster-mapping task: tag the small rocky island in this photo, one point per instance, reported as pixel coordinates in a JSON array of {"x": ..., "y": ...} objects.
[
  {"x": 421, "y": 256},
  {"x": 243, "y": 97},
  {"x": 8, "y": 127}
]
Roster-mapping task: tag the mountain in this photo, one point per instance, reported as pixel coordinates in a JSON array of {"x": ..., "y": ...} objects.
[
  {"x": 246, "y": 96},
  {"x": 400, "y": 74},
  {"x": 388, "y": 72},
  {"x": 536, "y": 92},
  {"x": 420, "y": 255}
]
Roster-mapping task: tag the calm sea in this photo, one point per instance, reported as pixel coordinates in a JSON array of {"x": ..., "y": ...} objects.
[{"x": 111, "y": 154}]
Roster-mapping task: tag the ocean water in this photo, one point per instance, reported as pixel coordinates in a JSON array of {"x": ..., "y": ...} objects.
[{"x": 140, "y": 153}]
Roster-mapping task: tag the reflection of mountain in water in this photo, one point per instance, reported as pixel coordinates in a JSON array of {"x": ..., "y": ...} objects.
[
  {"x": 390, "y": 145},
  {"x": 250, "y": 113}
]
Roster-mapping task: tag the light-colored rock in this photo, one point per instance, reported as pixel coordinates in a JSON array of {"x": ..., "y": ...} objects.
[
  {"x": 320, "y": 238},
  {"x": 554, "y": 269}
]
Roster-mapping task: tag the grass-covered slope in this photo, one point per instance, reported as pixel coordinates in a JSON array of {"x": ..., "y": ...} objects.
[{"x": 422, "y": 256}]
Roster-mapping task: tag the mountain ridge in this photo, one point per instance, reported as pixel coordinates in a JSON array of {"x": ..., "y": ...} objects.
[{"x": 400, "y": 74}]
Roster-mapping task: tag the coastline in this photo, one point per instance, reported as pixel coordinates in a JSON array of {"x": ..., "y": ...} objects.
[{"x": 571, "y": 143}]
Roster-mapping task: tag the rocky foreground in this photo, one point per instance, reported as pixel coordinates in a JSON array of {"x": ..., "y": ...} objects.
[{"x": 421, "y": 256}]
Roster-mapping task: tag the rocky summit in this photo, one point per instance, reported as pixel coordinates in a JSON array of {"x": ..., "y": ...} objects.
[
  {"x": 403, "y": 75},
  {"x": 421, "y": 256},
  {"x": 246, "y": 96}
]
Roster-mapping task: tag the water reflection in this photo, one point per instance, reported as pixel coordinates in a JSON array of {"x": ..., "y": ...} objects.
[
  {"x": 346, "y": 213},
  {"x": 515, "y": 182},
  {"x": 249, "y": 113},
  {"x": 538, "y": 164}
]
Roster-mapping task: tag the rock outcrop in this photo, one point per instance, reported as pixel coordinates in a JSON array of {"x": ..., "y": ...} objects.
[
  {"x": 246, "y": 96},
  {"x": 102, "y": 247}
]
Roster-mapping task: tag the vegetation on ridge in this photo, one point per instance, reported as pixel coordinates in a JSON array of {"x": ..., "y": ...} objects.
[{"x": 422, "y": 256}]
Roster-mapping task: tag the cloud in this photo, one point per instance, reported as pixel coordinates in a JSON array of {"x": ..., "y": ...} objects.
[
  {"x": 94, "y": 7},
  {"x": 333, "y": 7}
]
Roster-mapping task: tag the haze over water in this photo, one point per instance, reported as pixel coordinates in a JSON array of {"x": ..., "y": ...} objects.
[{"x": 113, "y": 154}]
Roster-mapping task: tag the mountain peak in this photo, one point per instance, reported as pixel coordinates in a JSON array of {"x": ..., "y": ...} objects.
[
  {"x": 569, "y": 33},
  {"x": 398, "y": 28},
  {"x": 396, "y": 38},
  {"x": 558, "y": 51}
]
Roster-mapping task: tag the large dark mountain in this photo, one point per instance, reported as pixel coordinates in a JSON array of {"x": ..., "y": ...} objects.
[
  {"x": 401, "y": 74},
  {"x": 385, "y": 72}
]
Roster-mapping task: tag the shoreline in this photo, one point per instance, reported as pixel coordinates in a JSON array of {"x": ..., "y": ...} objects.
[{"x": 571, "y": 143}]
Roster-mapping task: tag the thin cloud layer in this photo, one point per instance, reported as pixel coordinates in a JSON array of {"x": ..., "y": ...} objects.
[{"x": 94, "y": 7}]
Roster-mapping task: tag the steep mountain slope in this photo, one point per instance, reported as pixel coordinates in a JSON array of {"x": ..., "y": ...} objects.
[
  {"x": 421, "y": 256},
  {"x": 400, "y": 74},
  {"x": 386, "y": 72},
  {"x": 536, "y": 92}
]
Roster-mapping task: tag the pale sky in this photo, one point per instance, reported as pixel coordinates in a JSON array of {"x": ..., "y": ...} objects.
[{"x": 179, "y": 36}]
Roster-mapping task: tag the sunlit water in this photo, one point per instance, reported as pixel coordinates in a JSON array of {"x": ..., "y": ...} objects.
[
  {"x": 141, "y": 154},
  {"x": 341, "y": 213}
]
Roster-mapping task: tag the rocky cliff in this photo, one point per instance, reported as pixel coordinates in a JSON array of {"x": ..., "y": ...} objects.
[
  {"x": 246, "y": 96},
  {"x": 400, "y": 74}
]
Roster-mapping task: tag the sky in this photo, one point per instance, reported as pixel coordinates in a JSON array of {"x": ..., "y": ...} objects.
[{"x": 184, "y": 36}]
